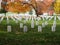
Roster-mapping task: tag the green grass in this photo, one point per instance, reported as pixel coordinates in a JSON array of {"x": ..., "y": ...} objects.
[{"x": 32, "y": 37}]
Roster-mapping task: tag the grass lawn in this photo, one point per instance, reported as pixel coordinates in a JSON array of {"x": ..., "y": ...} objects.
[{"x": 31, "y": 37}]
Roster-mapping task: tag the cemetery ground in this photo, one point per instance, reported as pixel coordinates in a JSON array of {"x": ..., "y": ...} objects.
[{"x": 32, "y": 36}]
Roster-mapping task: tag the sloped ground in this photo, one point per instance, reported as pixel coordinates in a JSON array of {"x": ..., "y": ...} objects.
[{"x": 32, "y": 37}]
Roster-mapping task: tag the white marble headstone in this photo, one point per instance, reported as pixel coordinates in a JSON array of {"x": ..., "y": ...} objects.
[
  {"x": 25, "y": 29},
  {"x": 8, "y": 28},
  {"x": 32, "y": 24},
  {"x": 39, "y": 29},
  {"x": 43, "y": 24},
  {"x": 54, "y": 24},
  {"x": 53, "y": 29},
  {"x": 21, "y": 25}
]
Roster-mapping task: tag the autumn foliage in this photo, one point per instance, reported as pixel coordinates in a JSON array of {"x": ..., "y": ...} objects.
[
  {"x": 57, "y": 6},
  {"x": 18, "y": 7}
]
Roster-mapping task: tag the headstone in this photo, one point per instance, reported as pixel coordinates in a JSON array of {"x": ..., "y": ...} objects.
[
  {"x": 21, "y": 25},
  {"x": 54, "y": 24},
  {"x": 43, "y": 24},
  {"x": 32, "y": 24},
  {"x": 39, "y": 29},
  {"x": 25, "y": 29},
  {"x": 53, "y": 28},
  {"x": 8, "y": 28}
]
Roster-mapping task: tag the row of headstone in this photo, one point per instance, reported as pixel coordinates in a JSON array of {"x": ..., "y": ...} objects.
[
  {"x": 25, "y": 28},
  {"x": 30, "y": 18},
  {"x": 37, "y": 23},
  {"x": 32, "y": 22}
]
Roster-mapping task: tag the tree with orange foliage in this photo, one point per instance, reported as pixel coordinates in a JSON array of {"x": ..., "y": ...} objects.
[{"x": 18, "y": 7}]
